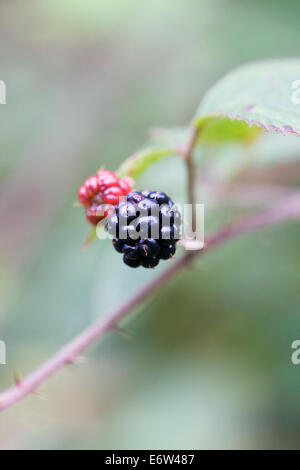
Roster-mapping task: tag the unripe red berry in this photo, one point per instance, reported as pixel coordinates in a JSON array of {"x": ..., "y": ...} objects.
[
  {"x": 83, "y": 196},
  {"x": 112, "y": 195},
  {"x": 91, "y": 185},
  {"x": 103, "y": 188},
  {"x": 107, "y": 179},
  {"x": 95, "y": 213}
]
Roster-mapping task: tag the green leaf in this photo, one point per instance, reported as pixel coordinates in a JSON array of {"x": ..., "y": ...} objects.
[
  {"x": 261, "y": 95},
  {"x": 255, "y": 97},
  {"x": 220, "y": 130},
  {"x": 140, "y": 161}
]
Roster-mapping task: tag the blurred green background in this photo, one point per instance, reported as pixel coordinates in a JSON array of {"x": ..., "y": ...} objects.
[{"x": 209, "y": 363}]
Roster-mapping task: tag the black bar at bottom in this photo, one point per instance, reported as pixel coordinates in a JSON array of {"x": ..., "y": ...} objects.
[{"x": 143, "y": 458}]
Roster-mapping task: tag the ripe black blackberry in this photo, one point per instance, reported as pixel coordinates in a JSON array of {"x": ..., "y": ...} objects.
[{"x": 145, "y": 228}]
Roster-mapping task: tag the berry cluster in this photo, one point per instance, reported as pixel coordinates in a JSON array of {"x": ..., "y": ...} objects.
[
  {"x": 145, "y": 228},
  {"x": 104, "y": 188}
]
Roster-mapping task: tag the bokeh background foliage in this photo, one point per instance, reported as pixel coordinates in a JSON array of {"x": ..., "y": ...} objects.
[{"x": 209, "y": 364}]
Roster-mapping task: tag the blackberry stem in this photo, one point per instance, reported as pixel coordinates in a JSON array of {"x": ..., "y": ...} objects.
[{"x": 286, "y": 209}]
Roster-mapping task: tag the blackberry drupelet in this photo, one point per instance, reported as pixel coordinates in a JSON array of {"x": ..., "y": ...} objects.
[{"x": 146, "y": 228}]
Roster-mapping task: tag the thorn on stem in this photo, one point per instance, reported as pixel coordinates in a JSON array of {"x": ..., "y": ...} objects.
[
  {"x": 123, "y": 333},
  {"x": 39, "y": 395},
  {"x": 78, "y": 360},
  {"x": 17, "y": 378}
]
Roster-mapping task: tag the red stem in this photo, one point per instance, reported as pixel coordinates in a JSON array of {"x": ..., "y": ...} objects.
[{"x": 289, "y": 209}]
